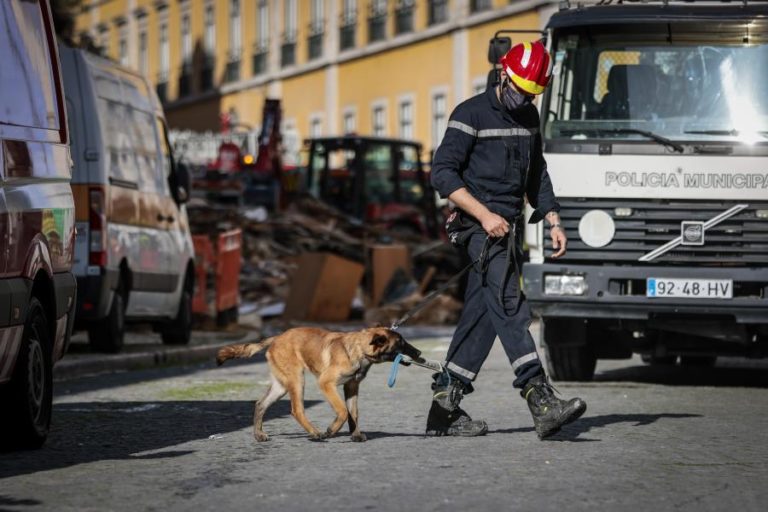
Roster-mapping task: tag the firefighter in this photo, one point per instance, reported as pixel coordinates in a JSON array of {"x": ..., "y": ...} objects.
[{"x": 490, "y": 159}]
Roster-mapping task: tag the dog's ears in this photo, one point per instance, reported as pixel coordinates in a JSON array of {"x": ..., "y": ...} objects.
[{"x": 379, "y": 340}]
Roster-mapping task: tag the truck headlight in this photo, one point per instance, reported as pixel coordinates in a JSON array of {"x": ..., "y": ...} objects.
[{"x": 561, "y": 284}]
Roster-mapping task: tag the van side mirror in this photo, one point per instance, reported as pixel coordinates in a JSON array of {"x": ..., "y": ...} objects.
[{"x": 183, "y": 186}]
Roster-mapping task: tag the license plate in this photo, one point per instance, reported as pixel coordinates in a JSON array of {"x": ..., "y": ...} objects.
[{"x": 689, "y": 288}]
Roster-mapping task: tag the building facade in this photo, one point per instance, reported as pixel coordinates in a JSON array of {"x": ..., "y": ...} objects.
[{"x": 380, "y": 67}]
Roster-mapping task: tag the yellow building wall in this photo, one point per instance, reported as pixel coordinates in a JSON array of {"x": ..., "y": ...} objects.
[
  {"x": 303, "y": 96},
  {"x": 411, "y": 70}
]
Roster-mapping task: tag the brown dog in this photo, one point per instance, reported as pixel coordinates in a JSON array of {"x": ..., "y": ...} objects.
[{"x": 336, "y": 358}]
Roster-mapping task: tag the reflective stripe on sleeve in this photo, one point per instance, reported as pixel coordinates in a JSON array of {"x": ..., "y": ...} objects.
[
  {"x": 508, "y": 132},
  {"x": 463, "y": 127}
]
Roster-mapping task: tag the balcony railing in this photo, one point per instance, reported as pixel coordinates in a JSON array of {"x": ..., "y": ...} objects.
[
  {"x": 438, "y": 11},
  {"x": 347, "y": 36},
  {"x": 377, "y": 27},
  {"x": 260, "y": 55},
  {"x": 479, "y": 5},
  {"x": 288, "y": 53},
  {"x": 315, "y": 44},
  {"x": 404, "y": 18}
]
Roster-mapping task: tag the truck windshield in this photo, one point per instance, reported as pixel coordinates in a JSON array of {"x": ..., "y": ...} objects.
[{"x": 615, "y": 82}]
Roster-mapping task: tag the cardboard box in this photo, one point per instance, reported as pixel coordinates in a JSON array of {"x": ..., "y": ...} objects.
[
  {"x": 385, "y": 260},
  {"x": 322, "y": 288}
]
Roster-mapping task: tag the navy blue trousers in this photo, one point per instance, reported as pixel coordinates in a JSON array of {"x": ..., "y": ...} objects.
[{"x": 493, "y": 306}]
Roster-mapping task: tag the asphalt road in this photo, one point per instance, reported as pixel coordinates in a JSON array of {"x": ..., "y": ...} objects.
[{"x": 180, "y": 439}]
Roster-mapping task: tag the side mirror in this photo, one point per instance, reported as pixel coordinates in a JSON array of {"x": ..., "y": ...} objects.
[{"x": 183, "y": 186}]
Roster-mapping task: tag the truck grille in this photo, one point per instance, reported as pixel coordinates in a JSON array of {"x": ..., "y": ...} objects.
[{"x": 742, "y": 240}]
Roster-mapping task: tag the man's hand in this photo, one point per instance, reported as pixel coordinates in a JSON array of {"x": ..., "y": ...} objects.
[
  {"x": 559, "y": 240},
  {"x": 494, "y": 225}
]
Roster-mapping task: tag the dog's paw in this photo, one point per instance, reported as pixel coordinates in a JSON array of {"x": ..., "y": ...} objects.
[
  {"x": 359, "y": 437},
  {"x": 261, "y": 436},
  {"x": 318, "y": 436}
]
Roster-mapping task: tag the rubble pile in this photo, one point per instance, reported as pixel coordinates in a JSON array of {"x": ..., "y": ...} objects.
[{"x": 271, "y": 244}]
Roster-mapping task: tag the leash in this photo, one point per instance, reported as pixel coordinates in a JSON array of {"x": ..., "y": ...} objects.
[
  {"x": 489, "y": 242},
  {"x": 405, "y": 360}
]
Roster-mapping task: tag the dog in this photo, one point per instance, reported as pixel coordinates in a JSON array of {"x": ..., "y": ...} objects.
[{"x": 335, "y": 358}]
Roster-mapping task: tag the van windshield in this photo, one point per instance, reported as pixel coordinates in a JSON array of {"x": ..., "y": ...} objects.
[{"x": 611, "y": 82}]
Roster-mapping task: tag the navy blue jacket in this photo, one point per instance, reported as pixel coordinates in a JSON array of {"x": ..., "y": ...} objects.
[{"x": 490, "y": 151}]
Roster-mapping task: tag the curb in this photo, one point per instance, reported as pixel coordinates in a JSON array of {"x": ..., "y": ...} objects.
[{"x": 138, "y": 361}]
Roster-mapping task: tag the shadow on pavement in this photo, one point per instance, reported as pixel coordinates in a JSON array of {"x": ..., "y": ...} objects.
[
  {"x": 688, "y": 376},
  {"x": 588, "y": 423},
  {"x": 92, "y": 431},
  {"x": 7, "y": 501}
]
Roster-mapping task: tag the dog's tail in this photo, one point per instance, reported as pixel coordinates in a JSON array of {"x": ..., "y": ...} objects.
[{"x": 242, "y": 350}]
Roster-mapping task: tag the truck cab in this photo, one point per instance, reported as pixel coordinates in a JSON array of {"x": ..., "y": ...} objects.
[{"x": 655, "y": 132}]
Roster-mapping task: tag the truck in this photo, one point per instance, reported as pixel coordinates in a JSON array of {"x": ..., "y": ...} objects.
[{"x": 655, "y": 133}]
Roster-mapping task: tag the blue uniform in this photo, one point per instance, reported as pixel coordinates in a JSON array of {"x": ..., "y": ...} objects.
[{"x": 497, "y": 156}]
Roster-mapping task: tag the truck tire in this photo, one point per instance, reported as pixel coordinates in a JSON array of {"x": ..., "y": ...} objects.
[
  {"x": 569, "y": 355},
  {"x": 28, "y": 396},
  {"x": 572, "y": 363},
  {"x": 179, "y": 330},
  {"x": 108, "y": 334}
]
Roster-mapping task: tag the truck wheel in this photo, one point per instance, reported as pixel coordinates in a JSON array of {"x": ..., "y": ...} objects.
[
  {"x": 569, "y": 355},
  {"x": 179, "y": 330},
  {"x": 28, "y": 396},
  {"x": 572, "y": 363},
  {"x": 698, "y": 361},
  {"x": 107, "y": 335}
]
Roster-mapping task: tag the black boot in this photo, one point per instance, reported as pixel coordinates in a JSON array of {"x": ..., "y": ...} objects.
[
  {"x": 446, "y": 418},
  {"x": 549, "y": 412}
]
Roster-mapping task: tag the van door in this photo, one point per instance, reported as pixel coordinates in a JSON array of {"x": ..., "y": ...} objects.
[
  {"x": 175, "y": 222},
  {"x": 151, "y": 283}
]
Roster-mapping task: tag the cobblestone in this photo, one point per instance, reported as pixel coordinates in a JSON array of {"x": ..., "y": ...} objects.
[{"x": 180, "y": 439}]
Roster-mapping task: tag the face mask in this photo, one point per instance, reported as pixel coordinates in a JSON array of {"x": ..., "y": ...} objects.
[{"x": 512, "y": 99}]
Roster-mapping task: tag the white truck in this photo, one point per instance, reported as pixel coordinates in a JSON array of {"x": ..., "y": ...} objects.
[{"x": 655, "y": 132}]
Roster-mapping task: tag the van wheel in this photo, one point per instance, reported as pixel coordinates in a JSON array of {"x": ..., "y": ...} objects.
[
  {"x": 179, "y": 330},
  {"x": 27, "y": 417},
  {"x": 107, "y": 335}
]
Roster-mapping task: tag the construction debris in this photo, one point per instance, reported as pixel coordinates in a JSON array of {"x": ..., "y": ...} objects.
[{"x": 273, "y": 243}]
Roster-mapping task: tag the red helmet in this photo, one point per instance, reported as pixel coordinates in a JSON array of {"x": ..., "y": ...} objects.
[{"x": 529, "y": 66}]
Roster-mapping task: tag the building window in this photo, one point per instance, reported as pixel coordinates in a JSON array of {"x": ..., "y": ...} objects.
[
  {"x": 379, "y": 121},
  {"x": 165, "y": 55},
  {"x": 404, "y": 16},
  {"x": 186, "y": 40},
  {"x": 479, "y": 87},
  {"x": 232, "y": 72},
  {"x": 348, "y": 25},
  {"x": 143, "y": 55},
  {"x": 479, "y": 5},
  {"x": 438, "y": 119},
  {"x": 438, "y": 11},
  {"x": 377, "y": 21},
  {"x": 406, "y": 120},
  {"x": 316, "y": 29},
  {"x": 262, "y": 42},
  {"x": 288, "y": 48},
  {"x": 123, "y": 47},
  {"x": 209, "y": 43},
  {"x": 350, "y": 122}
]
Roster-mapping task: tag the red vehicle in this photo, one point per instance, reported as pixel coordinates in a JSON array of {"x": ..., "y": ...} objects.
[
  {"x": 377, "y": 180},
  {"x": 37, "y": 222}
]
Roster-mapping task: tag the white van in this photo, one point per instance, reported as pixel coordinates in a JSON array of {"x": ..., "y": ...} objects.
[{"x": 134, "y": 259}]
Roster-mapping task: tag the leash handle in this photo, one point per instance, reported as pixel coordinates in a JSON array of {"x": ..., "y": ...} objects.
[{"x": 394, "y": 370}]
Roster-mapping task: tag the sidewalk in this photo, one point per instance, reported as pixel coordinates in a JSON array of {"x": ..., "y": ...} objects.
[{"x": 143, "y": 348}]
